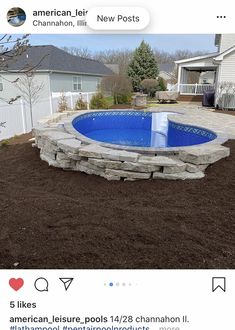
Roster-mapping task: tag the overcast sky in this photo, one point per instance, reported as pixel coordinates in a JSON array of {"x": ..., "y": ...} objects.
[{"x": 167, "y": 42}]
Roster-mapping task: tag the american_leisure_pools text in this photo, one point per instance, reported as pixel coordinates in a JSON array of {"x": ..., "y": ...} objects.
[{"x": 123, "y": 319}]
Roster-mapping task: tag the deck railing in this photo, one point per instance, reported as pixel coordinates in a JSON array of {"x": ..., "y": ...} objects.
[{"x": 192, "y": 89}]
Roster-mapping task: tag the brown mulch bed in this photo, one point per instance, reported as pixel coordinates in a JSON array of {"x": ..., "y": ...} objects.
[{"x": 51, "y": 218}]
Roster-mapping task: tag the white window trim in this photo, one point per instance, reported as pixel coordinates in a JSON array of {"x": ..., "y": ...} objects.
[{"x": 76, "y": 90}]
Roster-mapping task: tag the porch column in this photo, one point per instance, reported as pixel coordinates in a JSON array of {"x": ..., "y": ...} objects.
[{"x": 179, "y": 79}]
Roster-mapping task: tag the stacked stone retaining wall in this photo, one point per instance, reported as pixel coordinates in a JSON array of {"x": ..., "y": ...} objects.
[{"x": 64, "y": 150}]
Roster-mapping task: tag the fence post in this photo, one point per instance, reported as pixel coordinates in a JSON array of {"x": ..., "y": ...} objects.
[
  {"x": 23, "y": 116},
  {"x": 196, "y": 89},
  {"x": 51, "y": 104},
  {"x": 71, "y": 100},
  {"x": 87, "y": 100}
]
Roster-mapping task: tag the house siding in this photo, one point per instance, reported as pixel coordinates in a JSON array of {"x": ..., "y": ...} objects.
[
  {"x": 227, "y": 41},
  {"x": 227, "y": 68},
  {"x": 11, "y": 91},
  {"x": 63, "y": 82}
]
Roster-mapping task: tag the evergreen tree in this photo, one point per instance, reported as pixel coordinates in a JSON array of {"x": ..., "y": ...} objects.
[{"x": 143, "y": 65}]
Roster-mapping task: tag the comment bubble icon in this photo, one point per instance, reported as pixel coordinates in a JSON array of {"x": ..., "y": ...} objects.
[{"x": 41, "y": 284}]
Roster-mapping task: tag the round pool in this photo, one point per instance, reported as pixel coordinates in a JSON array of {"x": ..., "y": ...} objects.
[{"x": 139, "y": 129}]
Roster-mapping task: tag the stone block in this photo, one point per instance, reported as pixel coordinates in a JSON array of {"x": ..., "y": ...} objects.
[
  {"x": 97, "y": 151},
  {"x": 178, "y": 176},
  {"x": 92, "y": 150},
  {"x": 91, "y": 166},
  {"x": 120, "y": 155},
  {"x": 136, "y": 167},
  {"x": 105, "y": 163},
  {"x": 57, "y": 135},
  {"x": 49, "y": 147},
  {"x": 73, "y": 156},
  {"x": 127, "y": 174},
  {"x": 177, "y": 168},
  {"x": 61, "y": 156},
  {"x": 87, "y": 170},
  {"x": 157, "y": 160},
  {"x": 51, "y": 155},
  {"x": 204, "y": 154},
  {"x": 50, "y": 162},
  {"x": 39, "y": 131},
  {"x": 67, "y": 164},
  {"x": 111, "y": 177},
  {"x": 40, "y": 143},
  {"x": 70, "y": 145},
  {"x": 195, "y": 168}
]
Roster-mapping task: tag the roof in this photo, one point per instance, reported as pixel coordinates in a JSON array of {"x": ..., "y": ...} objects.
[
  {"x": 113, "y": 67},
  {"x": 220, "y": 57},
  {"x": 51, "y": 58},
  {"x": 167, "y": 67},
  {"x": 197, "y": 58}
]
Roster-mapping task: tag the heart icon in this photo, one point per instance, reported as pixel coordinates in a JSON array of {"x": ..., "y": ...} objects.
[{"x": 16, "y": 283}]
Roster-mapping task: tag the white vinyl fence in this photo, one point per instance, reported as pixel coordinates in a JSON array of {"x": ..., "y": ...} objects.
[
  {"x": 72, "y": 98},
  {"x": 17, "y": 119}
]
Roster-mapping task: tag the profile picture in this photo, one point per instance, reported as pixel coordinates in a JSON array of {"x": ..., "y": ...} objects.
[{"x": 16, "y": 16}]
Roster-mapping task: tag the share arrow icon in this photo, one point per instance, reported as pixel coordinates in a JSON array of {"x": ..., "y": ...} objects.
[{"x": 66, "y": 281}]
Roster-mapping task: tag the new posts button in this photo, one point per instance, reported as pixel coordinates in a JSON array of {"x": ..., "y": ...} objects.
[{"x": 117, "y": 18}]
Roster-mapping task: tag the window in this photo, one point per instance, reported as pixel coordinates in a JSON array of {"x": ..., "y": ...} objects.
[
  {"x": 1, "y": 84},
  {"x": 77, "y": 84}
]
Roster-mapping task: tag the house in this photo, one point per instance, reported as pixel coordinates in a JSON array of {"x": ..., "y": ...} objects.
[
  {"x": 166, "y": 71},
  {"x": 114, "y": 67},
  {"x": 216, "y": 70},
  {"x": 58, "y": 70}
]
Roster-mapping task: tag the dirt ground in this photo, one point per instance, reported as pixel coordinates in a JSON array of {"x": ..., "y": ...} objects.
[{"x": 51, "y": 218}]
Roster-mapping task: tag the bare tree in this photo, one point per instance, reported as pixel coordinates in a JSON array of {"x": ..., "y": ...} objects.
[
  {"x": 10, "y": 49},
  {"x": 123, "y": 57},
  {"x": 119, "y": 87},
  {"x": 30, "y": 90},
  {"x": 78, "y": 51}
]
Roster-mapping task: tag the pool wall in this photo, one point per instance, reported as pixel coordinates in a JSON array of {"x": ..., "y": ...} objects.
[{"x": 61, "y": 147}]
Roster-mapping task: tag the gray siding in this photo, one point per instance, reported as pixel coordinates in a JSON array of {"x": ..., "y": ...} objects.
[
  {"x": 11, "y": 91},
  {"x": 227, "y": 68},
  {"x": 63, "y": 82},
  {"x": 227, "y": 41}
]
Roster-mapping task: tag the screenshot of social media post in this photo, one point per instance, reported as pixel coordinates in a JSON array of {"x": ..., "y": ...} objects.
[{"x": 117, "y": 165}]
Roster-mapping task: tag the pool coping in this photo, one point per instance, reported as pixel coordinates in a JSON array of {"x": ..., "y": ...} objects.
[{"x": 220, "y": 139}]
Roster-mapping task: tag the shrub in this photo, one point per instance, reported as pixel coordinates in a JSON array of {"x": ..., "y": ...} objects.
[
  {"x": 62, "y": 104},
  {"x": 119, "y": 87},
  {"x": 150, "y": 86},
  {"x": 80, "y": 104},
  {"x": 98, "y": 101},
  {"x": 4, "y": 143},
  {"x": 123, "y": 98},
  {"x": 161, "y": 84}
]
